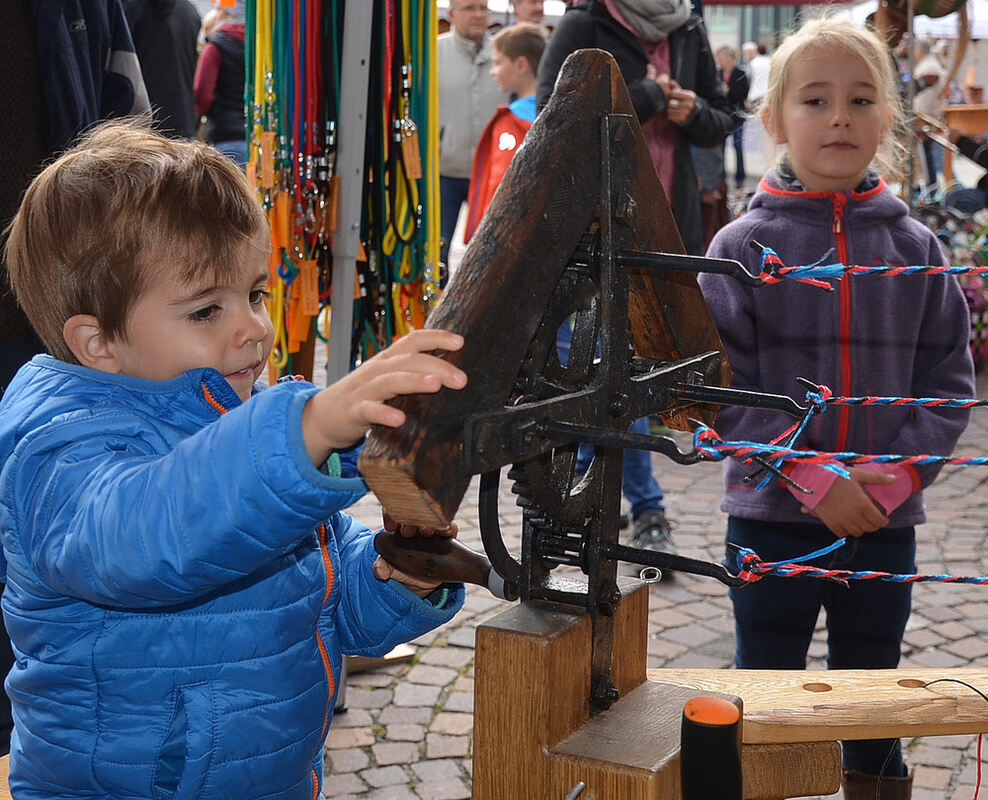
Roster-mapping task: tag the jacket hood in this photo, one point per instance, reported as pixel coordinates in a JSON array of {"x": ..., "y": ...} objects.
[{"x": 816, "y": 209}]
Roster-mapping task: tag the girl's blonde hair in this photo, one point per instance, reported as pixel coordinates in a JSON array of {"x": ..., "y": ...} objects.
[{"x": 831, "y": 33}]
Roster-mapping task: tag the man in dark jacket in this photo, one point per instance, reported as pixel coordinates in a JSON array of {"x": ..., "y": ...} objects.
[
  {"x": 166, "y": 34},
  {"x": 68, "y": 64},
  {"x": 692, "y": 79},
  {"x": 662, "y": 50}
]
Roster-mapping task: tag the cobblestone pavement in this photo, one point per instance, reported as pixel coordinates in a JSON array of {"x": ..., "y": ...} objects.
[{"x": 406, "y": 731}]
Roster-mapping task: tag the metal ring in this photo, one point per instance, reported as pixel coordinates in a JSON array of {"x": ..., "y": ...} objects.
[{"x": 650, "y": 575}]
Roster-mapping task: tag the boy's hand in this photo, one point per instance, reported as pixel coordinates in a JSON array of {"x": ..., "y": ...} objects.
[
  {"x": 384, "y": 571},
  {"x": 847, "y": 509},
  {"x": 341, "y": 414}
]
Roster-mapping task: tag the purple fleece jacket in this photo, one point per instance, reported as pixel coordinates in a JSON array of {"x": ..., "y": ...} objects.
[{"x": 903, "y": 336}]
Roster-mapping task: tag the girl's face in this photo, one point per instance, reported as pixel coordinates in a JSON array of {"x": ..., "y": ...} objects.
[{"x": 832, "y": 118}]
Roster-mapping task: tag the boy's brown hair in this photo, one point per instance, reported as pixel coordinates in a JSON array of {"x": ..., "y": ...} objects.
[
  {"x": 523, "y": 39},
  {"x": 120, "y": 206}
]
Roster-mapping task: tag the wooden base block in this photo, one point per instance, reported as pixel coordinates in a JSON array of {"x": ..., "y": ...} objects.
[{"x": 534, "y": 737}]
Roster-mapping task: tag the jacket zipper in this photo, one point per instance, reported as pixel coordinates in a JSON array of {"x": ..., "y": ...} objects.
[
  {"x": 839, "y": 200},
  {"x": 324, "y": 654}
]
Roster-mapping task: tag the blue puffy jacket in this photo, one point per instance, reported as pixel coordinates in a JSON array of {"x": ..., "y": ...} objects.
[{"x": 180, "y": 587}]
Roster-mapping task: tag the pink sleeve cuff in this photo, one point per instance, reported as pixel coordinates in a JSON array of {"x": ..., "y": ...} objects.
[
  {"x": 813, "y": 477},
  {"x": 892, "y": 495},
  {"x": 819, "y": 480}
]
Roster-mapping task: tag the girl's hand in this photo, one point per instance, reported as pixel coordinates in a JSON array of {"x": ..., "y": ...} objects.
[
  {"x": 340, "y": 415},
  {"x": 847, "y": 509}
]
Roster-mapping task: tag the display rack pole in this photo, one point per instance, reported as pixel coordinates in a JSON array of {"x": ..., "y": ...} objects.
[{"x": 354, "y": 79}]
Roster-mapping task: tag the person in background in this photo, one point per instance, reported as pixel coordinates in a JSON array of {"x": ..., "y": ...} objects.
[
  {"x": 219, "y": 84},
  {"x": 165, "y": 34},
  {"x": 528, "y": 11},
  {"x": 832, "y": 102},
  {"x": 468, "y": 98},
  {"x": 758, "y": 60},
  {"x": 737, "y": 85},
  {"x": 69, "y": 66},
  {"x": 930, "y": 77},
  {"x": 662, "y": 50},
  {"x": 517, "y": 51}
]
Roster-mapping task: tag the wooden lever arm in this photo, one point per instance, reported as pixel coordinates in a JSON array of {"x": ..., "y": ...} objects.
[{"x": 438, "y": 558}]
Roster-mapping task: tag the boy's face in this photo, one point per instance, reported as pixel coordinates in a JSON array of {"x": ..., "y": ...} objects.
[
  {"x": 174, "y": 327},
  {"x": 509, "y": 74}
]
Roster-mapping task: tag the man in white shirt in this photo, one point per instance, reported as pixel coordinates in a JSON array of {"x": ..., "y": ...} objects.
[{"x": 468, "y": 98}]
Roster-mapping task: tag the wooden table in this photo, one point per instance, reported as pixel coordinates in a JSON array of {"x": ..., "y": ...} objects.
[{"x": 968, "y": 119}]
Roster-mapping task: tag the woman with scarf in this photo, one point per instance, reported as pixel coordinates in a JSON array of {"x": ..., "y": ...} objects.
[
  {"x": 662, "y": 50},
  {"x": 664, "y": 55}
]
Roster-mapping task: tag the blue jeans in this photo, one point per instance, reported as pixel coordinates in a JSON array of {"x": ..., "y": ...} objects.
[
  {"x": 775, "y": 617},
  {"x": 235, "y": 150},
  {"x": 640, "y": 487},
  {"x": 453, "y": 193},
  {"x": 738, "y": 137}
]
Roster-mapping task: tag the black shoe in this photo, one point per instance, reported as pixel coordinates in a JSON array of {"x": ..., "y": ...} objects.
[
  {"x": 652, "y": 532},
  {"x": 624, "y": 521}
]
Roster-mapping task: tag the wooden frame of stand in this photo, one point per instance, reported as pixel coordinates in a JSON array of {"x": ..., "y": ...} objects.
[{"x": 534, "y": 736}]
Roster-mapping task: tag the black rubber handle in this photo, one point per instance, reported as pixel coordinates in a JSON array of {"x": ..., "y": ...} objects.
[{"x": 710, "y": 750}]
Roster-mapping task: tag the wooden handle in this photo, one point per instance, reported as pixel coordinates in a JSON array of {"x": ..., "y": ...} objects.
[{"x": 438, "y": 558}]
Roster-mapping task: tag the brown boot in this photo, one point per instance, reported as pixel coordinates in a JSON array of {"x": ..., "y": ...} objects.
[{"x": 859, "y": 786}]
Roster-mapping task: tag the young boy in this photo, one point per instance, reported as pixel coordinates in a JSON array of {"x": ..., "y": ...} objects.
[
  {"x": 516, "y": 52},
  {"x": 180, "y": 581}
]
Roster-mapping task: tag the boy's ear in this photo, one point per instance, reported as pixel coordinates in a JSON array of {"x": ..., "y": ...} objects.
[{"x": 86, "y": 340}]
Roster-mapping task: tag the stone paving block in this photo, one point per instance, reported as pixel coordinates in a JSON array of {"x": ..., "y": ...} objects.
[
  {"x": 352, "y": 717},
  {"x": 373, "y": 679},
  {"x": 340, "y": 786},
  {"x": 436, "y": 770},
  {"x": 973, "y": 647},
  {"x": 449, "y": 789},
  {"x": 416, "y": 694},
  {"x": 385, "y": 776},
  {"x": 462, "y": 637},
  {"x": 351, "y": 760},
  {"x": 459, "y": 701},
  {"x": 692, "y": 635},
  {"x": 929, "y": 752},
  {"x": 922, "y": 638},
  {"x": 387, "y": 753},
  {"x": 439, "y": 746},
  {"x": 929, "y": 777},
  {"x": 953, "y": 630},
  {"x": 405, "y": 732},
  {"x": 453, "y": 723},
  {"x": 341, "y": 738},
  {"x": 674, "y": 618},
  {"x": 412, "y": 715},
  {"x": 454, "y": 657},
  {"x": 938, "y": 659},
  {"x": 431, "y": 675},
  {"x": 368, "y": 698},
  {"x": 396, "y": 793}
]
